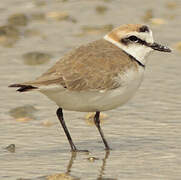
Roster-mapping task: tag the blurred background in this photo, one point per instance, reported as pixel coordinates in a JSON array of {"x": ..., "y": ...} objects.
[{"x": 144, "y": 134}]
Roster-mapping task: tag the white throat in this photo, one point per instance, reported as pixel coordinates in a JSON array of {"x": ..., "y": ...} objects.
[{"x": 138, "y": 52}]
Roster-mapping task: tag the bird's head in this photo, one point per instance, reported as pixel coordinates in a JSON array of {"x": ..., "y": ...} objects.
[{"x": 136, "y": 40}]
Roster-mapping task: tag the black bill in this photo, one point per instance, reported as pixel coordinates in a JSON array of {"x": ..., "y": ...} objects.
[{"x": 159, "y": 47}]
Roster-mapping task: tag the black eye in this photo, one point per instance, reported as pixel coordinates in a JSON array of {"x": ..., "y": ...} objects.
[{"x": 133, "y": 38}]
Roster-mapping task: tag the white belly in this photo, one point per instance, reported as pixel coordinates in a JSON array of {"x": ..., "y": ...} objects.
[{"x": 91, "y": 101}]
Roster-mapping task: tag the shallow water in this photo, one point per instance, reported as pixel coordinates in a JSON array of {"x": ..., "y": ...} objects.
[{"x": 144, "y": 134}]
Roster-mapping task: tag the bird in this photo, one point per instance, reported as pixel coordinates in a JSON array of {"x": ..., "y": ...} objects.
[{"x": 99, "y": 76}]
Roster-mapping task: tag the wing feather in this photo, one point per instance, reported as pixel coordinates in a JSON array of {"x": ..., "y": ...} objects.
[{"x": 94, "y": 66}]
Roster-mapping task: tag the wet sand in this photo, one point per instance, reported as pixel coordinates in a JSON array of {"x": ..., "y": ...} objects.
[{"x": 144, "y": 134}]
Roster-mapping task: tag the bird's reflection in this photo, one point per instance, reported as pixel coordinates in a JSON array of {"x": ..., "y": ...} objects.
[
  {"x": 100, "y": 176},
  {"x": 71, "y": 161},
  {"x": 102, "y": 168},
  {"x": 67, "y": 174}
]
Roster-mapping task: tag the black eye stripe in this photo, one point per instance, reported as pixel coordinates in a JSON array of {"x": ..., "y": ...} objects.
[{"x": 133, "y": 39}]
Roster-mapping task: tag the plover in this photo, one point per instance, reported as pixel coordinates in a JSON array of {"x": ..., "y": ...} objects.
[{"x": 99, "y": 76}]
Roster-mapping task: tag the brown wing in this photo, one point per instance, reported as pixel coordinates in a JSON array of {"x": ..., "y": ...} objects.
[{"x": 94, "y": 66}]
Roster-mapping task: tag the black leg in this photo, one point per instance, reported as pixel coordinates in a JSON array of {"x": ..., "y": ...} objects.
[
  {"x": 97, "y": 123},
  {"x": 60, "y": 117}
]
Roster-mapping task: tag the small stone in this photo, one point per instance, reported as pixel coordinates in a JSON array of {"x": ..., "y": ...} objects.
[
  {"x": 23, "y": 113},
  {"x": 11, "y": 148},
  {"x": 36, "y": 58},
  {"x": 18, "y": 19},
  {"x": 92, "y": 159},
  {"x": 8, "y": 30},
  {"x": 8, "y": 35}
]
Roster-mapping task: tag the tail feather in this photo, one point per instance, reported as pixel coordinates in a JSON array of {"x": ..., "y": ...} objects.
[{"x": 23, "y": 88}]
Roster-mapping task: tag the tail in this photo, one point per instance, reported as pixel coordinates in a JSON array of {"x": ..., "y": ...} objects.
[{"x": 22, "y": 87}]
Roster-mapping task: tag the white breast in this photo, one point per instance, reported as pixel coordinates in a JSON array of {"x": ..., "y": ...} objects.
[{"x": 91, "y": 101}]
